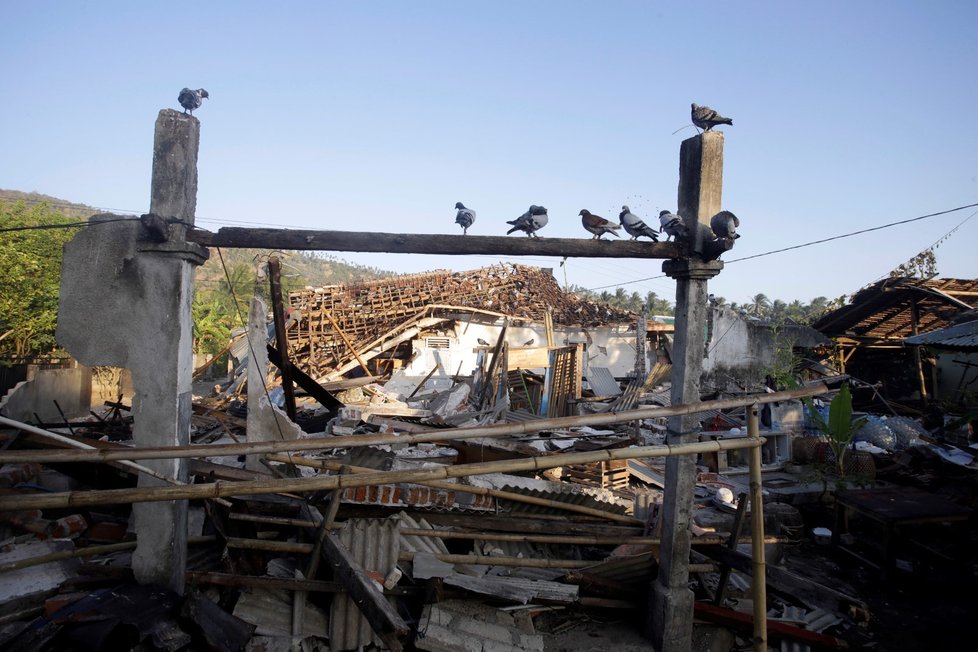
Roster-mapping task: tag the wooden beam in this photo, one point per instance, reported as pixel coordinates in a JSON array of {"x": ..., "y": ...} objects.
[
  {"x": 380, "y": 613},
  {"x": 429, "y": 243}
]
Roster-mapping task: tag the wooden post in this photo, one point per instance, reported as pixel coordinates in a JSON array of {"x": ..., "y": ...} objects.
[
  {"x": 278, "y": 314},
  {"x": 700, "y": 186},
  {"x": 914, "y": 321},
  {"x": 759, "y": 572}
]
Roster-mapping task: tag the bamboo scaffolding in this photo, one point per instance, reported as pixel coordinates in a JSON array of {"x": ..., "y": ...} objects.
[
  {"x": 466, "y": 489},
  {"x": 349, "y": 441},
  {"x": 222, "y": 489}
]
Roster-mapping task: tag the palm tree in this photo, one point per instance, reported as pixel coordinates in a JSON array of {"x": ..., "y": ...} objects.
[{"x": 759, "y": 305}]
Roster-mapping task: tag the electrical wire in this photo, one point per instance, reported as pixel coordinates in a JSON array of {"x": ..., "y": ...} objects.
[{"x": 815, "y": 242}]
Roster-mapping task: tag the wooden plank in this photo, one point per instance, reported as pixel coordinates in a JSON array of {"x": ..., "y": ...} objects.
[
  {"x": 518, "y": 589},
  {"x": 428, "y": 243},
  {"x": 784, "y": 582},
  {"x": 537, "y": 357},
  {"x": 745, "y": 621},
  {"x": 382, "y": 616}
]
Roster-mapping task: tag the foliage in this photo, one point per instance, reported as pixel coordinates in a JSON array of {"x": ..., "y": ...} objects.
[
  {"x": 31, "y": 279},
  {"x": 839, "y": 429},
  {"x": 651, "y": 304},
  {"x": 923, "y": 266}
]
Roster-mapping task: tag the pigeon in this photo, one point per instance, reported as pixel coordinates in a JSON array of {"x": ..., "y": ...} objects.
[
  {"x": 598, "y": 225},
  {"x": 635, "y": 226},
  {"x": 482, "y": 342},
  {"x": 725, "y": 224},
  {"x": 191, "y": 100},
  {"x": 672, "y": 225},
  {"x": 534, "y": 219},
  {"x": 529, "y": 342},
  {"x": 706, "y": 118},
  {"x": 465, "y": 217}
]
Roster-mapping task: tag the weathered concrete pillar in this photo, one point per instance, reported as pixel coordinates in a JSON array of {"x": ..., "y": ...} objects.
[
  {"x": 125, "y": 301},
  {"x": 265, "y": 421},
  {"x": 700, "y": 186}
]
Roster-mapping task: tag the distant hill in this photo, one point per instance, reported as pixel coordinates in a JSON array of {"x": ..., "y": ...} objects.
[
  {"x": 299, "y": 268},
  {"x": 66, "y": 208}
]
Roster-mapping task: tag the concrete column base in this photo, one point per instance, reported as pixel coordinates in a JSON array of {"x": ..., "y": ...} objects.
[{"x": 672, "y": 618}]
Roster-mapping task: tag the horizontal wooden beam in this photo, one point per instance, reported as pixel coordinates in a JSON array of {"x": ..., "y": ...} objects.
[{"x": 430, "y": 243}]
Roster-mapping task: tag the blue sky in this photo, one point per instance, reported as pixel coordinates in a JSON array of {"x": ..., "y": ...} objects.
[{"x": 379, "y": 116}]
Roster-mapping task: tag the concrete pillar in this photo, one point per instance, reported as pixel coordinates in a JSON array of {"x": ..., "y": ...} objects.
[
  {"x": 125, "y": 302},
  {"x": 265, "y": 421},
  {"x": 700, "y": 186}
]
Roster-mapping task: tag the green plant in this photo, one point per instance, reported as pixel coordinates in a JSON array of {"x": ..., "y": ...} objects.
[{"x": 840, "y": 428}]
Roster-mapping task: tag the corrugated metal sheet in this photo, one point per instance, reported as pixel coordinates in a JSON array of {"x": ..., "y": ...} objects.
[
  {"x": 963, "y": 337},
  {"x": 634, "y": 569},
  {"x": 571, "y": 498},
  {"x": 602, "y": 383},
  {"x": 375, "y": 544}
]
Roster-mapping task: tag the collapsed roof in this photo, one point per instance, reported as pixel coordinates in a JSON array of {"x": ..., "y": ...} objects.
[
  {"x": 884, "y": 312},
  {"x": 336, "y": 322}
]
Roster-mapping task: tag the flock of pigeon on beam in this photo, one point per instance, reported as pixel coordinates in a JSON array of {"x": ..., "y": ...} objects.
[{"x": 724, "y": 224}]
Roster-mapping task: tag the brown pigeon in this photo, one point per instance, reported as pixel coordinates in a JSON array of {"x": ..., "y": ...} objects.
[{"x": 598, "y": 225}]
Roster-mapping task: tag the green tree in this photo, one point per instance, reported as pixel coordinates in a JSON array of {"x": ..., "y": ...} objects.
[
  {"x": 31, "y": 278},
  {"x": 759, "y": 305}
]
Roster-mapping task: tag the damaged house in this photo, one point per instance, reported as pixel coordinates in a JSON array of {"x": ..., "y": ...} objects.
[{"x": 496, "y": 465}]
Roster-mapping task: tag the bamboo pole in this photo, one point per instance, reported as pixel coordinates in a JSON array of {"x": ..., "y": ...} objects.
[
  {"x": 82, "y": 446},
  {"x": 89, "y": 551},
  {"x": 467, "y": 489},
  {"x": 346, "y": 340},
  {"x": 222, "y": 489},
  {"x": 350, "y": 441},
  {"x": 578, "y": 539},
  {"x": 759, "y": 574}
]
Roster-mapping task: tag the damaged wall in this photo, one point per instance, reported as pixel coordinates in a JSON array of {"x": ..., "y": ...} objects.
[
  {"x": 746, "y": 347},
  {"x": 454, "y": 347},
  {"x": 72, "y": 388}
]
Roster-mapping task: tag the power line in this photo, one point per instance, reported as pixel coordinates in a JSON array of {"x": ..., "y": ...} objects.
[{"x": 815, "y": 242}]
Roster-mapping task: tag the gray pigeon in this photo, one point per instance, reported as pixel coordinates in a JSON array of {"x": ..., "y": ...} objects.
[
  {"x": 534, "y": 219},
  {"x": 598, "y": 225},
  {"x": 706, "y": 118},
  {"x": 190, "y": 99},
  {"x": 672, "y": 225},
  {"x": 465, "y": 217},
  {"x": 724, "y": 225},
  {"x": 635, "y": 226}
]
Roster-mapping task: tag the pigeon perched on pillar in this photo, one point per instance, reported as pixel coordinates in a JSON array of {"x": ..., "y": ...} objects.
[
  {"x": 465, "y": 217},
  {"x": 724, "y": 225},
  {"x": 672, "y": 225},
  {"x": 706, "y": 118},
  {"x": 634, "y": 225},
  {"x": 598, "y": 225},
  {"x": 534, "y": 219},
  {"x": 192, "y": 99}
]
